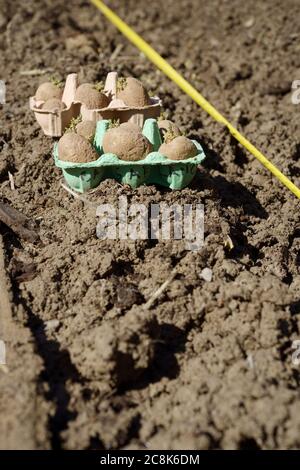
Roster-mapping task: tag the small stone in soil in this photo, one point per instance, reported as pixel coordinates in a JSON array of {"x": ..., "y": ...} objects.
[
  {"x": 206, "y": 274},
  {"x": 52, "y": 325}
]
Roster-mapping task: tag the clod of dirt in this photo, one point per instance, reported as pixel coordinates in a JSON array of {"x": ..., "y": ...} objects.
[
  {"x": 134, "y": 93},
  {"x": 86, "y": 129},
  {"x": 118, "y": 351},
  {"x": 165, "y": 126},
  {"x": 75, "y": 148},
  {"x": 80, "y": 45},
  {"x": 54, "y": 104},
  {"x": 92, "y": 98},
  {"x": 127, "y": 143},
  {"x": 48, "y": 90},
  {"x": 179, "y": 148}
]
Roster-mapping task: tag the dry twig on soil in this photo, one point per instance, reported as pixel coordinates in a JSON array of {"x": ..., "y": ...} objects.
[
  {"x": 17, "y": 222},
  {"x": 159, "y": 291},
  {"x": 35, "y": 72},
  {"x": 78, "y": 196}
]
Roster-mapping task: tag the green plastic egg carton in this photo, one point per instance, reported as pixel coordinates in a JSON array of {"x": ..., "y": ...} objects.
[{"x": 154, "y": 169}]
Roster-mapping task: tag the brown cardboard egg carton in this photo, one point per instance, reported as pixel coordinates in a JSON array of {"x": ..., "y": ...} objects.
[
  {"x": 54, "y": 123},
  {"x": 117, "y": 109}
]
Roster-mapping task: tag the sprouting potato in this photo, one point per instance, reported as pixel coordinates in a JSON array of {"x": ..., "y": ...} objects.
[
  {"x": 48, "y": 90},
  {"x": 133, "y": 93},
  {"x": 91, "y": 97},
  {"x": 127, "y": 143},
  {"x": 130, "y": 126},
  {"x": 53, "y": 104},
  {"x": 180, "y": 148},
  {"x": 75, "y": 148},
  {"x": 86, "y": 129},
  {"x": 168, "y": 127}
]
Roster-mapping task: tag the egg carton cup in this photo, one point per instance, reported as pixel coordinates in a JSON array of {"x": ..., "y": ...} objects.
[
  {"x": 54, "y": 123},
  {"x": 154, "y": 169},
  {"x": 117, "y": 109}
]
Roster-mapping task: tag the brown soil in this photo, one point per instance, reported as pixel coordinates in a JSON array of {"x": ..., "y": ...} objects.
[{"x": 209, "y": 364}]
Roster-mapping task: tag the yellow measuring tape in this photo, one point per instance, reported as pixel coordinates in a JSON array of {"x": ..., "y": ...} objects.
[{"x": 168, "y": 70}]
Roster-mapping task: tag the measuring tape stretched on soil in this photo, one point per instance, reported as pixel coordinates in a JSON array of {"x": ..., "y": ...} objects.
[{"x": 168, "y": 70}]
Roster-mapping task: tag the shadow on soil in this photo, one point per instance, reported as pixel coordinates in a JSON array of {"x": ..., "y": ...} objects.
[
  {"x": 58, "y": 368},
  {"x": 172, "y": 340}
]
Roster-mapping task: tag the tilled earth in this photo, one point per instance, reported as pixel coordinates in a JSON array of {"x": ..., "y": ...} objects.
[{"x": 209, "y": 364}]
